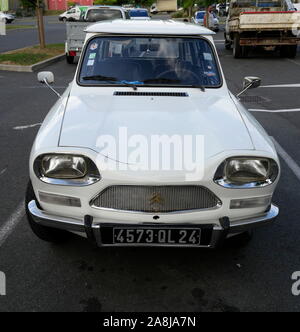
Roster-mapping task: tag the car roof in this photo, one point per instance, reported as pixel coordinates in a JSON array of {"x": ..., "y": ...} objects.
[
  {"x": 107, "y": 7},
  {"x": 157, "y": 27},
  {"x": 143, "y": 9}
]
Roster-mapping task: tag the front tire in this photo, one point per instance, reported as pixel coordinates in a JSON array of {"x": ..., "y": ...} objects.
[
  {"x": 44, "y": 233},
  {"x": 237, "y": 48},
  {"x": 228, "y": 43}
]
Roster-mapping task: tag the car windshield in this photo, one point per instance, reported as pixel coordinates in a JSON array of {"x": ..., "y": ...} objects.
[
  {"x": 138, "y": 13},
  {"x": 102, "y": 14},
  {"x": 200, "y": 15},
  {"x": 162, "y": 61}
]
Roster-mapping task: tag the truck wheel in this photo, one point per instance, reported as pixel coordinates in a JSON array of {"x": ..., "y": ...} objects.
[
  {"x": 64, "y": 19},
  {"x": 227, "y": 43},
  {"x": 237, "y": 48},
  {"x": 70, "y": 59},
  {"x": 42, "y": 232},
  {"x": 291, "y": 51}
]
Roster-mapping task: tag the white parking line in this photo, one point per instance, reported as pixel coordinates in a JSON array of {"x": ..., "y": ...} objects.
[
  {"x": 288, "y": 159},
  {"x": 281, "y": 86},
  {"x": 3, "y": 171},
  {"x": 26, "y": 127},
  {"x": 294, "y": 62},
  {"x": 7, "y": 228},
  {"x": 274, "y": 111}
]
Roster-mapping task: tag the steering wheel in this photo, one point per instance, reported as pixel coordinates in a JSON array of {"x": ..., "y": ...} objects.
[{"x": 186, "y": 71}]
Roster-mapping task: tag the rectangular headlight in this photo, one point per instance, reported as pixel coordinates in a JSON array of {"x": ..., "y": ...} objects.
[
  {"x": 246, "y": 172},
  {"x": 63, "y": 166},
  {"x": 66, "y": 169}
]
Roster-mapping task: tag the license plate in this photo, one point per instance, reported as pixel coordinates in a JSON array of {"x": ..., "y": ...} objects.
[{"x": 157, "y": 236}]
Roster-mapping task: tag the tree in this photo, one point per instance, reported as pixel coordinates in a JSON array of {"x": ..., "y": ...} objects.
[{"x": 38, "y": 6}]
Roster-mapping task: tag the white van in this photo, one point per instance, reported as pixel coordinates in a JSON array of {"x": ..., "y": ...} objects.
[{"x": 73, "y": 14}]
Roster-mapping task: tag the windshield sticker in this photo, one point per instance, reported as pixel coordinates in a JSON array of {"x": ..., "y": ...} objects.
[
  {"x": 115, "y": 48},
  {"x": 207, "y": 56},
  {"x": 90, "y": 63},
  {"x": 209, "y": 73},
  {"x": 92, "y": 56},
  {"x": 94, "y": 46}
]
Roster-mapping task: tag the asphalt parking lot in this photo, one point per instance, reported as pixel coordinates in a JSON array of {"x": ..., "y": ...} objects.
[
  {"x": 55, "y": 32},
  {"x": 78, "y": 277}
]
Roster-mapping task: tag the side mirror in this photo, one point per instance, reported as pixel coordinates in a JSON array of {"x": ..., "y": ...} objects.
[
  {"x": 47, "y": 77},
  {"x": 250, "y": 82}
]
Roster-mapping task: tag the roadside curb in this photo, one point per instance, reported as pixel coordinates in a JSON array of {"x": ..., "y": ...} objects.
[{"x": 34, "y": 67}]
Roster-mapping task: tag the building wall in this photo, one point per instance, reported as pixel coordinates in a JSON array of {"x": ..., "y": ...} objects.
[{"x": 63, "y": 4}]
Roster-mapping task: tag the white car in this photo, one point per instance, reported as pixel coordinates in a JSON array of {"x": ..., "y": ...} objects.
[
  {"x": 147, "y": 147},
  {"x": 8, "y": 18}
]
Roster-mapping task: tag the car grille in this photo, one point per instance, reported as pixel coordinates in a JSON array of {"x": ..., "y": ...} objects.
[{"x": 156, "y": 198}]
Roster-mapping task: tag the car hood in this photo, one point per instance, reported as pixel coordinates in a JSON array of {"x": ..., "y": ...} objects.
[{"x": 93, "y": 112}]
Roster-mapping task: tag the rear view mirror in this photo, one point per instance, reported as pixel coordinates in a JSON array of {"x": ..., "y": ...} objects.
[
  {"x": 149, "y": 47},
  {"x": 45, "y": 75}
]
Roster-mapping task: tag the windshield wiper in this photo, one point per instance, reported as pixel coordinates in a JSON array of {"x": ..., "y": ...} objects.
[
  {"x": 99, "y": 78},
  {"x": 112, "y": 79},
  {"x": 161, "y": 80}
]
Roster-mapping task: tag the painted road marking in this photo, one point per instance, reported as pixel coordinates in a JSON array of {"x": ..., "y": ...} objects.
[
  {"x": 7, "y": 228},
  {"x": 294, "y": 62},
  {"x": 26, "y": 127},
  {"x": 3, "y": 171},
  {"x": 288, "y": 159},
  {"x": 281, "y": 86},
  {"x": 274, "y": 111}
]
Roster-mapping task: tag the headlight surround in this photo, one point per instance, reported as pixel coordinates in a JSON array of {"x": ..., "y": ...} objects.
[
  {"x": 66, "y": 169},
  {"x": 246, "y": 172}
]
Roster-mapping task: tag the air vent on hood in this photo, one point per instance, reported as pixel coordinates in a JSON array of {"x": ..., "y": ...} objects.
[{"x": 151, "y": 94}]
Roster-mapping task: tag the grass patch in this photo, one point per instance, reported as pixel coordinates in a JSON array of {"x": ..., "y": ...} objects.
[
  {"x": 15, "y": 27},
  {"x": 31, "y": 55},
  {"x": 53, "y": 12}
]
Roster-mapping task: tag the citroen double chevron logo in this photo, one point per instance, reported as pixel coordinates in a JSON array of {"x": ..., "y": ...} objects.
[{"x": 156, "y": 199}]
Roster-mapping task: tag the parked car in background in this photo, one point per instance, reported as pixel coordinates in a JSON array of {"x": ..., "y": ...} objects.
[
  {"x": 8, "y": 18},
  {"x": 139, "y": 14},
  {"x": 102, "y": 13},
  {"x": 153, "y": 79},
  {"x": 199, "y": 19},
  {"x": 75, "y": 30},
  {"x": 73, "y": 14}
]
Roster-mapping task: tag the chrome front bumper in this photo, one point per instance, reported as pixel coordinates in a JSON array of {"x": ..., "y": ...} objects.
[{"x": 93, "y": 230}]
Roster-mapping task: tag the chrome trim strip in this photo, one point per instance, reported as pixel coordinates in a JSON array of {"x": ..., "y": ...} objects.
[{"x": 218, "y": 206}]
